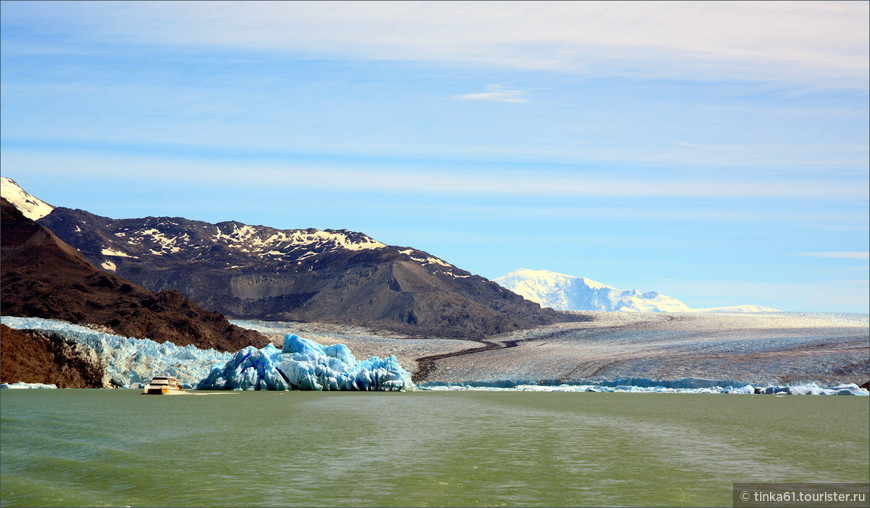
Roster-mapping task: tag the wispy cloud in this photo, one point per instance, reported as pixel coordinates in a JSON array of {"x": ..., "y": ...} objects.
[
  {"x": 496, "y": 93},
  {"x": 790, "y": 41},
  {"x": 421, "y": 180},
  {"x": 837, "y": 255}
]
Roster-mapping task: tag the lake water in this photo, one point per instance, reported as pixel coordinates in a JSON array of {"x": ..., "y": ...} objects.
[{"x": 116, "y": 447}]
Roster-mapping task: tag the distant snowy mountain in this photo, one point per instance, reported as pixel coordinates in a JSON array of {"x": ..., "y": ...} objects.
[
  {"x": 566, "y": 292},
  {"x": 33, "y": 208}
]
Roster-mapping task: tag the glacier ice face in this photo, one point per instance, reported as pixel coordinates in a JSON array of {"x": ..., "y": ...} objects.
[
  {"x": 639, "y": 385},
  {"x": 128, "y": 360},
  {"x": 814, "y": 389},
  {"x": 302, "y": 364}
]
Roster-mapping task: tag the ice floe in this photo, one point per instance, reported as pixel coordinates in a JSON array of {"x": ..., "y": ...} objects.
[
  {"x": 27, "y": 386},
  {"x": 302, "y": 364}
]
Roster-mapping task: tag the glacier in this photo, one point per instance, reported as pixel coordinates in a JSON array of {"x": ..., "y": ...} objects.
[
  {"x": 652, "y": 387},
  {"x": 129, "y": 360},
  {"x": 303, "y": 364}
]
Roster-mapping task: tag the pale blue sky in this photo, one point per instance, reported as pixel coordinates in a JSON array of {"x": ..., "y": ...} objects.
[{"x": 717, "y": 152}]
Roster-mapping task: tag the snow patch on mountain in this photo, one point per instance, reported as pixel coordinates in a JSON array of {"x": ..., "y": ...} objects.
[
  {"x": 258, "y": 239},
  {"x": 32, "y": 207},
  {"x": 567, "y": 292},
  {"x": 427, "y": 260},
  {"x": 113, "y": 252},
  {"x": 167, "y": 236}
]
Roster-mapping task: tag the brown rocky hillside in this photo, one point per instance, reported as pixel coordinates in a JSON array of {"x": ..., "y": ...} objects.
[{"x": 44, "y": 277}]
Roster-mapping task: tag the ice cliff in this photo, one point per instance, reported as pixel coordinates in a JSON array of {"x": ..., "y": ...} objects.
[
  {"x": 128, "y": 360},
  {"x": 302, "y": 364}
]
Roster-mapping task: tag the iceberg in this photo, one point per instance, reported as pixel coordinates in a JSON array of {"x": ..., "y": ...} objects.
[{"x": 302, "y": 364}]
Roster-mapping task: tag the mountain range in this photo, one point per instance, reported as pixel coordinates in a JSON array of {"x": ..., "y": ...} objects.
[
  {"x": 566, "y": 292},
  {"x": 259, "y": 272}
]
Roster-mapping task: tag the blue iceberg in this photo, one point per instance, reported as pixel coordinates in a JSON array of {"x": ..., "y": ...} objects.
[{"x": 302, "y": 364}]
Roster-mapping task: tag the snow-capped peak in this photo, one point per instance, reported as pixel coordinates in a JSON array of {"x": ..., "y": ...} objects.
[
  {"x": 593, "y": 284},
  {"x": 566, "y": 292},
  {"x": 33, "y": 208}
]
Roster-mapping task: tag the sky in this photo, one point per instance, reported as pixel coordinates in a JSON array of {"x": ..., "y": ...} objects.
[{"x": 715, "y": 152}]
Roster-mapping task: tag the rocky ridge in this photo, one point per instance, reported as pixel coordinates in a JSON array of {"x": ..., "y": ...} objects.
[
  {"x": 335, "y": 276},
  {"x": 42, "y": 276}
]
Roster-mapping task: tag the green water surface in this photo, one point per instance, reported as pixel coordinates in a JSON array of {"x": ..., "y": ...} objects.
[{"x": 118, "y": 448}]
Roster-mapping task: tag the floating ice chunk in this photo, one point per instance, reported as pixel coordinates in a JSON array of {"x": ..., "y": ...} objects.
[
  {"x": 747, "y": 389},
  {"x": 849, "y": 389},
  {"x": 808, "y": 389},
  {"x": 21, "y": 385},
  {"x": 303, "y": 364}
]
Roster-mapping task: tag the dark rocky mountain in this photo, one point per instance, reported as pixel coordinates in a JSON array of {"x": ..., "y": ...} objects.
[
  {"x": 36, "y": 357},
  {"x": 44, "y": 277},
  {"x": 334, "y": 276}
]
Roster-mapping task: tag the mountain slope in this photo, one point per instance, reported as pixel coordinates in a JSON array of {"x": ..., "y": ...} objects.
[
  {"x": 566, "y": 292},
  {"x": 335, "y": 276},
  {"x": 44, "y": 277}
]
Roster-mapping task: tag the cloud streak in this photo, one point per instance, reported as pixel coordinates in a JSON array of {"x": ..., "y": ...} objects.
[
  {"x": 837, "y": 255},
  {"x": 495, "y": 93},
  {"x": 802, "y": 41},
  {"x": 422, "y": 181}
]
